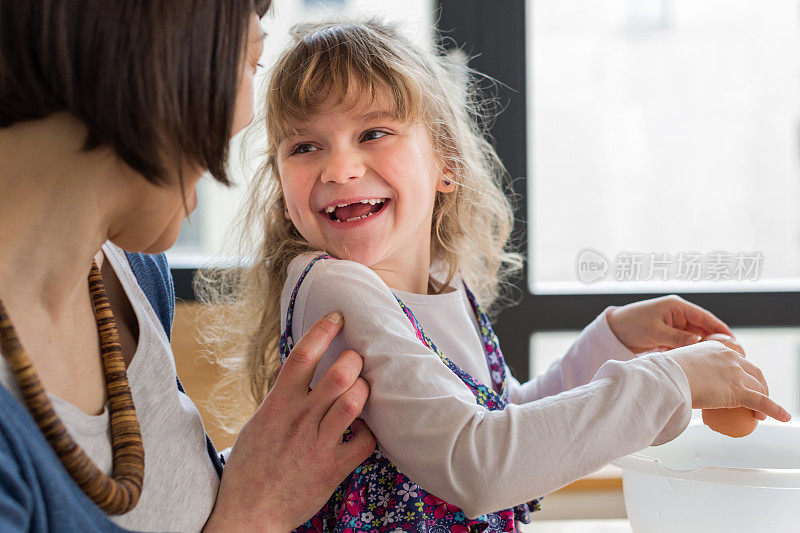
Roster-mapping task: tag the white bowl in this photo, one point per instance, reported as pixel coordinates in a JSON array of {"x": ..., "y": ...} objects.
[{"x": 707, "y": 482}]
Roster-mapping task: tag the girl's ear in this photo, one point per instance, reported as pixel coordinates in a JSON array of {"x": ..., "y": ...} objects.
[
  {"x": 446, "y": 182},
  {"x": 283, "y": 200}
]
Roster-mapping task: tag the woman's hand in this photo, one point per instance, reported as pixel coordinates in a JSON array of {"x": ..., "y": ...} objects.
[
  {"x": 662, "y": 324},
  {"x": 289, "y": 456},
  {"x": 720, "y": 377}
]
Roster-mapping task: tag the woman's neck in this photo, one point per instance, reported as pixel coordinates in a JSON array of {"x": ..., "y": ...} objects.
[{"x": 55, "y": 211}]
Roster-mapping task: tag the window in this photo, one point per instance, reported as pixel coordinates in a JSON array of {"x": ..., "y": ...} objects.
[
  {"x": 663, "y": 142},
  {"x": 638, "y": 127}
]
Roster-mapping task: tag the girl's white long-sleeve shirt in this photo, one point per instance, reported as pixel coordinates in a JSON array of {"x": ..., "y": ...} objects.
[{"x": 596, "y": 403}]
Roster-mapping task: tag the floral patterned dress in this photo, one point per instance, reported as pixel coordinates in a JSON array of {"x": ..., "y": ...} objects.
[{"x": 378, "y": 497}]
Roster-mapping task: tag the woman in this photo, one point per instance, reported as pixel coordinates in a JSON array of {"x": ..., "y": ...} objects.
[{"x": 109, "y": 115}]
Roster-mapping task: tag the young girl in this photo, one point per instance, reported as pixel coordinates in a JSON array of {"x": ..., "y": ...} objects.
[{"x": 381, "y": 198}]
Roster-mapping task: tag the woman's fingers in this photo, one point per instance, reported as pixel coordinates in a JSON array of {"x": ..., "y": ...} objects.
[
  {"x": 353, "y": 452},
  {"x": 338, "y": 379},
  {"x": 763, "y": 404},
  {"x": 298, "y": 370},
  {"x": 344, "y": 411}
]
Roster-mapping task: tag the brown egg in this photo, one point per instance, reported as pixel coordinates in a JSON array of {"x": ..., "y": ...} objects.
[{"x": 737, "y": 422}]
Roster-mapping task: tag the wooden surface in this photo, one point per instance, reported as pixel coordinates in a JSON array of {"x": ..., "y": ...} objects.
[
  {"x": 195, "y": 370},
  {"x": 607, "y": 478},
  {"x": 199, "y": 375}
]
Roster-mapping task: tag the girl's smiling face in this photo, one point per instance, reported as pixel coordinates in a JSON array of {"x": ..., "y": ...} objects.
[{"x": 360, "y": 183}]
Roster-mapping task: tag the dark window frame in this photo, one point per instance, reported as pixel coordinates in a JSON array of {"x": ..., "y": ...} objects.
[{"x": 493, "y": 33}]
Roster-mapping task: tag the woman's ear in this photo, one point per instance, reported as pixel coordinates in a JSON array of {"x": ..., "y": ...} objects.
[{"x": 286, "y": 212}]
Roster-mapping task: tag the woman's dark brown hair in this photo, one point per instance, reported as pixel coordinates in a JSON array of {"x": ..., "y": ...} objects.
[{"x": 154, "y": 79}]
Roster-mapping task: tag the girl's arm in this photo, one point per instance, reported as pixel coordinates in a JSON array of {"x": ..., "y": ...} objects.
[
  {"x": 658, "y": 324},
  {"x": 427, "y": 422},
  {"x": 594, "y": 346}
]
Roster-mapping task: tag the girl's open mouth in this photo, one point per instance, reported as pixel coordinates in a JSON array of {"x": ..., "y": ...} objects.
[{"x": 355, "y": 211}]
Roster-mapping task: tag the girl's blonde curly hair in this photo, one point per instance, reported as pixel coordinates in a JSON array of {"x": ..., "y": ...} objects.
[{"x": 471, "y": 226}]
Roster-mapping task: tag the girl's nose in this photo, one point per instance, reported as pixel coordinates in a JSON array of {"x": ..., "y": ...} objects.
[{"x": 342, "y": 166}]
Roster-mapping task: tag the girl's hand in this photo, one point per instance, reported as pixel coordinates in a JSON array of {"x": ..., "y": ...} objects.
[
  {"x": 720, "y": 377},
  {"x": 662, "y": 324},
  {"x": 289, "y": 456},
  {"x": 732, "y": 343}
]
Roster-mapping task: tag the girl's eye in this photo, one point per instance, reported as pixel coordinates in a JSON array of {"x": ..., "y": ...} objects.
[
  {"x": 374, "y": 134},
  {"x": 303, "y": 149}
]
